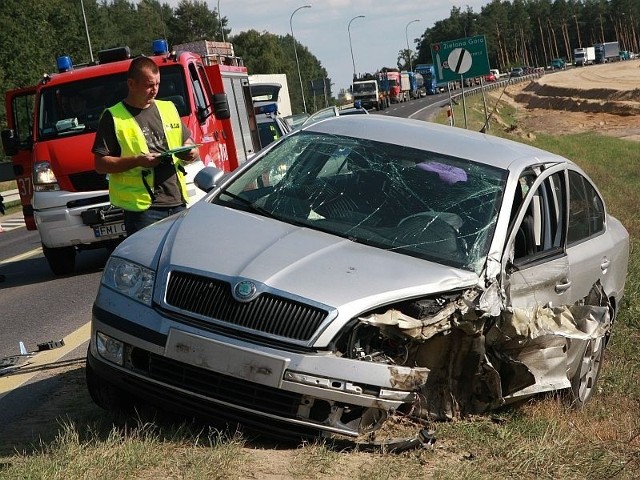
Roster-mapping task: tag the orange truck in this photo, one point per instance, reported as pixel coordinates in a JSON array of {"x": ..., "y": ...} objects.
[{"x": 51, "y": 129}]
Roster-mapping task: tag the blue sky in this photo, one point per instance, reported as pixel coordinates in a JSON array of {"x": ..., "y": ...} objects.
[{"x": 323, "y": 28}]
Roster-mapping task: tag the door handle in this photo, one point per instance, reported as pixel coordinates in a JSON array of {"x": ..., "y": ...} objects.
[
  {"x": 564, "y": 286},
  {"x": 605, "y": 264}
]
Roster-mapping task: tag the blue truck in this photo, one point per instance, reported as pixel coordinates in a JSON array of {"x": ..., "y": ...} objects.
[
  {"x": 428, "y": 73},
  {"x": 607, "y": 52}
]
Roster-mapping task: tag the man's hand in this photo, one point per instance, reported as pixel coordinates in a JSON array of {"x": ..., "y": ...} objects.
[
  {"x": 190, "y": 156},
  {"x": 148, "y": 160}
]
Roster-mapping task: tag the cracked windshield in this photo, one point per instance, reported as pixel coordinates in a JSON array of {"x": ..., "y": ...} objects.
[{"x": 413, "y": 202}]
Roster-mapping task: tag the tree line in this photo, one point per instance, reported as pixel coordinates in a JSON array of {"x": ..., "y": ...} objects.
[
  {"x": 34, "y": 33},
  {"x": 518, "y": 32},
  {"x": 532, "y": 32}
]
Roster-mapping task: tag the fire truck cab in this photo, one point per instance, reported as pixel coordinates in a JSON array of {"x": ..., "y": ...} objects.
[{"x": 52, "y": 125}]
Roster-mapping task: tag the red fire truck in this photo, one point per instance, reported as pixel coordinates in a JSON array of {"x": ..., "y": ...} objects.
[{"x": 51, "y": 129}]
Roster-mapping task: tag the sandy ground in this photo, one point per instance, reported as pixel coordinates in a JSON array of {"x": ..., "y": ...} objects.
[{"x": 604, "y": 98}]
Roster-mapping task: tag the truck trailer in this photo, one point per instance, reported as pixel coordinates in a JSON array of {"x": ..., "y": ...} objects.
[{"x": 607, "y": 52}]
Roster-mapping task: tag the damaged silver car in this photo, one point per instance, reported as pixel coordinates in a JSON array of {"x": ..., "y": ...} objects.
[{"x": 362, "y": 268}]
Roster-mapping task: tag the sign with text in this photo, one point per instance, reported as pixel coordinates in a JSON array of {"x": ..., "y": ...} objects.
[{"x": 466, "y": 57}]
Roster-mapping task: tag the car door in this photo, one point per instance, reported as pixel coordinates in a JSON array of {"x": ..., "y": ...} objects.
[
  {"x": 536, "y": 267},
  {"x": 594, "y": 251}
]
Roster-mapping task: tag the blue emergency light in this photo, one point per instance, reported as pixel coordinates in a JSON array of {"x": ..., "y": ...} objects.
[
  {"x": 64, "y": 63},
  {"x": 268, "y": 108},
  {"x": 159, "y": 47}
]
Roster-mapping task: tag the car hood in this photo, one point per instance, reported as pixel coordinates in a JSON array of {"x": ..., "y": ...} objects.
[{"x": 300, "y": 261}]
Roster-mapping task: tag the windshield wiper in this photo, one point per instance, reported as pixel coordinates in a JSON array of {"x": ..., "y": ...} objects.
[{"x": 248, "y": 203}]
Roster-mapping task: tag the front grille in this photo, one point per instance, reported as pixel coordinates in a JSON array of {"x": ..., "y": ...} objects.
[
  {"x": 266, "y": 313},
  {"x": 220, "y": 387},
  {"x": 88, "y": 181}
]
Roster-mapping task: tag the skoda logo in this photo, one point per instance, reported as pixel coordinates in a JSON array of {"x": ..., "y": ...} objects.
[{"x": 245, "y": 290}]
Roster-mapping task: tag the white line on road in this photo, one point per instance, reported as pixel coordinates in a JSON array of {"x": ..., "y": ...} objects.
[{"x": 23, "y": 256}]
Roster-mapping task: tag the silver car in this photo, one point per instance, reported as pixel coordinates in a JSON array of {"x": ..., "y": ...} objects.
[{"x": 365, "y": 267}]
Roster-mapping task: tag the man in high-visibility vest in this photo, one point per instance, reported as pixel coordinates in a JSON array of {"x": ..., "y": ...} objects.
[{"x": 131, "y": 144}]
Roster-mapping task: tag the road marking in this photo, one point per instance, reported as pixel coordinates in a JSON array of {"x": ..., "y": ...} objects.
[
  {"x": 42, "y": 361},
  {"x": 11, "y": 224},
  {"x": 23, "y": 256}
]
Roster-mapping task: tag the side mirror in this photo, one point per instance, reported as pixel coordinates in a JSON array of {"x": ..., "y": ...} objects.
[
  {"x": 221, "y": 106},
  {"x": 10, "y": 142},
  {"x": 208, "y": 178},
  {"x": 203, "y": 114}
]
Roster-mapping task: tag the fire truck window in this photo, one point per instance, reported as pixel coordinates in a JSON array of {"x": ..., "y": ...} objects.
[
  {"x": 172, "y": 88},
  {"x": 197, "y": 87},
  {"x": 22, "y": 117}
]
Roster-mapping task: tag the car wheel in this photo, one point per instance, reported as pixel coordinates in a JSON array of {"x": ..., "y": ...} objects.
[
  {"x": 61, "y": 260},
  {"x": 104, "y": 394},
  {"x": 583, "y": 383}
]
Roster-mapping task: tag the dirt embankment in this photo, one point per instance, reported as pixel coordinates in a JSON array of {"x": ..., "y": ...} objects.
[{"x": 605, "y": 98}]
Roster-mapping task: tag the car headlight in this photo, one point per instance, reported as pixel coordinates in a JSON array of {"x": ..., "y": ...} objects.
[
  {"x": 44, "y": 180},
  {"x": 109, "y": 348},
  {"x": 130, "y": 279}
]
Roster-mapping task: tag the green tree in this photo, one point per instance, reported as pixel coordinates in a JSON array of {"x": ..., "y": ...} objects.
[
  {"x": 268, "y": 53},
  {"x": 192, "y": 21}
]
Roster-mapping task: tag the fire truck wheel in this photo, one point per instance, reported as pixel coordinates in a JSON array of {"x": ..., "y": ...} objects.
[{"x": 61, "y": 260}]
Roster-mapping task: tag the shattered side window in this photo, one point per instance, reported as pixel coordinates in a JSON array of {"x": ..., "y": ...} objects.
[
  {"x": 586, "y": 210},
  {"x": 409, "y": 201},
  {"x": 541, "y": 229}
]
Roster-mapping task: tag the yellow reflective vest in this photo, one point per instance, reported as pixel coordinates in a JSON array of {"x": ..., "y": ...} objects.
[{"x": 127, "y": 190}]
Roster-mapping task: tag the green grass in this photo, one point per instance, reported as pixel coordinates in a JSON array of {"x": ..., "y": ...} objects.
[
  {"x": 538, "y": 439},
  {"x": 10, "y": 185},
  {"x": 10, "y": 207},
  {"x": 139, "y": 451}
]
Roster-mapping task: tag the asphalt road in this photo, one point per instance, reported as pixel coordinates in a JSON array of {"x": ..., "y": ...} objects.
[{"x": 35, "y": 305}]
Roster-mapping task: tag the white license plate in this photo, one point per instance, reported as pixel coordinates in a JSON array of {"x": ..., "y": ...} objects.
[
  {"x": 252, "y": 365},
  {"x": 111, "y": 230}
]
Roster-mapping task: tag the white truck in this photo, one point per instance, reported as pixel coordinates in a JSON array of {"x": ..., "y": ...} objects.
[
  {"x": 405, "y": 86},
  {"x": 282, "y": 94},
  {"x": 584, "y": 56}
]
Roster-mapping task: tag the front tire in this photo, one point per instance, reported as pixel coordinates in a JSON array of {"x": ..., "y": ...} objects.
[
  {"x": 583, "y": 383},
  {"x": 104, "y": 394},
  {"x": 62, "y": 261}
]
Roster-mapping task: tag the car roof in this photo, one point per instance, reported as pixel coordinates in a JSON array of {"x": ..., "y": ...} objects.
[{"x": 458, "y": 142}]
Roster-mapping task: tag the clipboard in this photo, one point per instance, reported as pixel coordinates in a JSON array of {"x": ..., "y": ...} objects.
[{"x": 182, "y": 149}]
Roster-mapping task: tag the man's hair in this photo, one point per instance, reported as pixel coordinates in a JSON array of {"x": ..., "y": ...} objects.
[{"x": 138, "y": 65}]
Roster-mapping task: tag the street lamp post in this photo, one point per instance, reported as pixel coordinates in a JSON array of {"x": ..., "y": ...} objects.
[
  {"x": 86, "y": 29},
  {"x": 220, "y": 22},
  {"x": 295, "y": 51},
  {"x": 350, "y": 47},
  {"x": 406, "y": 36}
]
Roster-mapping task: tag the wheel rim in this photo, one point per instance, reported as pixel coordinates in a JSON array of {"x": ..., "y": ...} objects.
[{"x": 589, "y": 369}]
